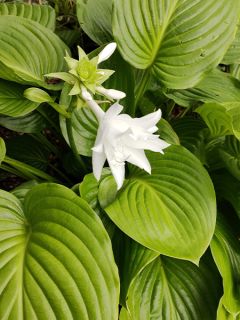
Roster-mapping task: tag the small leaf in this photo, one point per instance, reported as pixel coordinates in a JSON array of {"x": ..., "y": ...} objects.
[
  {"x": 45, "y": 15},
  {"x": 221, "y": 119},
  {"x": 37, "y": 95},
  {"x": 21, "y": 191},
  {"x": 167, "y": 133},
  {"x": 171, "y": 211},
  {"x": 225, "y": 248},
  {"x": 56, "y": 258}
]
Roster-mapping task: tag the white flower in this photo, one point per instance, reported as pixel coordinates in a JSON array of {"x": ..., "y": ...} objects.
[
  {"x": 121, "y": 138},
  {"x": 84, "y": 74}
]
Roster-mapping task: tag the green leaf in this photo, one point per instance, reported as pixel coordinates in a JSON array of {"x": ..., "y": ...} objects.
[
  {"x": 16, "y": 62},
  {"x": 180, "y": 40},
  {"x": 167, "y": 133},
  {"x": 2, "y": 150},
  {"x": 229, "y": 154},
  {"x": 12, "y": 101},
  {"x": 171, "y": 211},
  {"x": 84, "y": 125},
  {"x": 95, "y": 19},
  {"x": 211, "y": 89},
  {"x": 131, "y": 259},
  {"x": 225, "y": 248},
  {"x": 21, "y": 191},
  {"x": 228, "y": 188},
  {"x": 221, "y": 119},
  {"x": 31, "y": 123},
  {"x": 45, "y": 15},
  {"x": 233, "y": 54},
  {"x": 37, "y": 95},
  {"x": 28, "y": 150},
  {"x": 56, "y": 258},
  {"x": 176, "y": 290}
]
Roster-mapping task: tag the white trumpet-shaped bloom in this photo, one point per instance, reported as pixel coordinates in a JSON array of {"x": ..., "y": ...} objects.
[{"x": 121, "y": 138}]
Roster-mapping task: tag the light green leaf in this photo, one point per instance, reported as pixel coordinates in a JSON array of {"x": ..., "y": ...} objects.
[
  {"x": 223, "y": 314},
  {"x": 176, "y": 290},
  {"x": 95, "y": 19},
  {"x": 229, "y": 153},
  {"x": 31, "y": 123},
  {"x": 225, "y": 248},
  {"x": 16, "y": 62},
  {"x": 44, "y": 15},
  {"x": 12, "y": 101},
  {"x": 171, "y": 211},
  {"x": 233, "y": 54},
  {"x": 21, "y": 191},
  {"x": 180, "y": 40},
  {"x": 211, "y": 89},
  {"x": 2, "y": 150},
  {"x": 124, "y": 314},
  {"x": 84, "y": 125},
  {"x": 167, "y": 133},
  {"x": 56, "y": 258},
  {"x": 37, "y": 95},
  {"x": 221, "y": 119}
]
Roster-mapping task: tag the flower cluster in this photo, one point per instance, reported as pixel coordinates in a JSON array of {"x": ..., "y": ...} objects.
[{"x": 120, "y": 138}]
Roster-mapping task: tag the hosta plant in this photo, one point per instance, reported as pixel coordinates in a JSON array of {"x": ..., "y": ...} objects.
[{"x": 120, "y": 160}]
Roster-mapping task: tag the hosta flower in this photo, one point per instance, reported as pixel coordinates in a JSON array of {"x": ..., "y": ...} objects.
[
  {"x": 84, "y": 74},
  {"x": 121, "y": 138}
]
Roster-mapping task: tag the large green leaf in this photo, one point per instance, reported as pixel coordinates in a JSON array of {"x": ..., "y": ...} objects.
[
  {"x": 221, "y": 118},
  {"x": 31, "y": 123},
  {"x": 180, "y": 40},
  {"x": 95, "y": 19},
  {"x": 233, "y": 54},
  {"x": 21, "y": 191},
  {"x": 83, "y": 125},
  {"x": 211, "y": 89},
  {"x": 225, "y": 248},
  {"x": 31, "y": 53},
  {"x": 56, "y": 258},
  {"x": 12, "y": 101},
  {"x": 171, "y": 211},
  {"x": 44, "y": 15},
  {"x": 176, "y": 290}
]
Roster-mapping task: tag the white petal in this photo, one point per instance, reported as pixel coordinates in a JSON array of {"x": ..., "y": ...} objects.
[
  {"x": 99, "y": 113},
  {"x": 153, "y": 143},
  {"x": 98, "y": 160},
  {"x": 111, "y": 93},
  {"x": 118, "y": 171},
  {"x": 86, "y": 95},
  {"x": 114, "y": 110},
  {"x": 107, "y": 52},
  {"x": 139, "y": 159},
  {"x": 149, "y": 120}
]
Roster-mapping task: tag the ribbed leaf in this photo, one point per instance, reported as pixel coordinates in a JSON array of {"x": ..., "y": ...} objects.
[
  {"x": 26, "y": 149},
  {"x": 211, "y": 89},
  {"x": 2, "y": 150},
  {"x": 83, "y": 125},
  {"x": 56, "y": 258},
  {"x": 167, "y": 133},
  {"x": 95, "y": 19},
  {"x": 44, "y": 15},
  {"x": 12, "y": 101},
  {"x": 16, "y": 62},
  {"x": 21, "y": 191},
  {"x": 179, "y": 39},
  {"x": 176, "y": 290},
  {"x": 230, "y": 153},
  {"x": 222, "y": 119},
  {"x": 31, "y": 123},
  {"x": 228, "y": 188},
  {"x": 171, "y": 211},
  {"x": 225, "y": 248},
  {"x": 233, "y": 54}
]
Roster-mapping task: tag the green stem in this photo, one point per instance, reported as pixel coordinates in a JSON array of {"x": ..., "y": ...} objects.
[
  {"x": 23, "y": 167},
  {"x": 9, "y": 169},
  {"x": 142, "y": 86},
  {"x": 72, "y": 142},
  {"x": 59, "y": 109}
]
